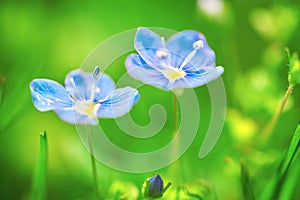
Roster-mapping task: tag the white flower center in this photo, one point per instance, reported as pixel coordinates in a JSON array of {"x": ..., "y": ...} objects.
[
  {"x": 172, "y": 74},
  {"x": 87, "y": 107}
]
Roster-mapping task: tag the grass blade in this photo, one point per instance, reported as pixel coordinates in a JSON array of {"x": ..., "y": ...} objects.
[
  {"x": 292, "y": 182},
  {"x": 246, "y": 185},
  {"x": 274, "y": 188},
  {"x": 39, "y": 179}
]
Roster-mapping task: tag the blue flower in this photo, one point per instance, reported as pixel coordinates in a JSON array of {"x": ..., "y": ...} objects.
[
  {"x": 156, "y": 186},
  {"x": 85, "y": 98},
  {"x": 153, "y": 187},
  {"x": 184, "y": 61}
]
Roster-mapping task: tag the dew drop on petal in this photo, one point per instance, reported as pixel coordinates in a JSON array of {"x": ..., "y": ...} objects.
[{"x": 161, "y": 53}]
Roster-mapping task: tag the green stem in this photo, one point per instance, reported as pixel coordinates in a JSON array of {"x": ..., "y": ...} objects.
[
  {"x": 2, "y": 85},
  {"x": 176, "y": 144},
  {"x": 93, "y": 162},
  {"x": 175, "y": 114},
  {"x": 166, "y": 188},
  {"x": 269, "y": 128}
]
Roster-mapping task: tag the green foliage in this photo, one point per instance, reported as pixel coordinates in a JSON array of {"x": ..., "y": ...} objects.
[
  {"x": 275, "y": 23},
  {"x": 123, "y": 191},
  {"x": 195, "y": 190}
]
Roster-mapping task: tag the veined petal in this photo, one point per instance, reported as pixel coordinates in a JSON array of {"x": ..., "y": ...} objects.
[
  {"x": 192, "y": 80},
  {"x": 78, "y": 84},
  {"x": 105, "y": 86},
  {"x": 182, "y": 48},
  {"x": 134, "y": 60},
  {"x": 119, "y": 103},
  {"x": 49, "y": 95},
  {"x": 139, "y": 70},
  {"x": 83, "y": 86},
  {"x": 150, "y": 46},
  {"x": 72, "y": 117}
]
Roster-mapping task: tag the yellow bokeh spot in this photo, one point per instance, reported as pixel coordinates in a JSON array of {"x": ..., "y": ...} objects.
[{"x": 241, "y": 127}]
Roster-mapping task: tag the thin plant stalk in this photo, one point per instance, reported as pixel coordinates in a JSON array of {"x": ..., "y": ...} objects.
[
  {"x": 175, "y": 114},
  {"x": 2, "y": 85},
  {"x": 93, "y": 162},
  {"x": 175, "y": 147},
  {"x": 269, "y": 128}
]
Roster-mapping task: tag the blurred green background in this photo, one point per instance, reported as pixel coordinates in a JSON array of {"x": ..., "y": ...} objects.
[{"x": 49, "y": 38}]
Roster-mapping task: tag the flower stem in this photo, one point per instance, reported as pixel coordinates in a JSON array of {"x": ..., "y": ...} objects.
[
  {"x": 175, "y": 114},
  {"x": 269, "y": 128},
  {"x": 94, "y": 169},
  {"x": 2, "y": 85},
  {"x": 175, "y": 168}
]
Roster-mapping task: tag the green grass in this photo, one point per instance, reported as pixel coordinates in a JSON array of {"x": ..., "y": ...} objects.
[
  {"x": 274, "y": 189},
  {"x": 39, "y": 185}
]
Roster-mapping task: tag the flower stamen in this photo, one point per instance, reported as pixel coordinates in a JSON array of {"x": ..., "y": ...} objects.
[
  {"x": 96, "y": 72},
  {"x": 92, "y": 96},
  {"x": 199, "y": 44}
]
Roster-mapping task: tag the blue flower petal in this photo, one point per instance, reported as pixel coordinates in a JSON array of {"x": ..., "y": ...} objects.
[
  {"x": 193, "y": 79},
  {"x": 49, "y": 95},
  {"x": 119, "y": 103},
  {"x": 105, "y": 86},
  {"x": 139, "y": 70},
  {"x": 78, "y": 84},
  {"x": 148, "y": 44},
  {"x": 181, "y": 45},
  {"x": 72, "y": 117},
  {"x": 83, "y": 86}
]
